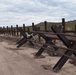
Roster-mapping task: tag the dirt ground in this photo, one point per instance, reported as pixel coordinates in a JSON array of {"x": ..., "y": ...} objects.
[{"x": 21, "y": 61}]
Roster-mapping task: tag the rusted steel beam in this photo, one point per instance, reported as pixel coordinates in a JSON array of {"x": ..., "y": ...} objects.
[
  {"x": 17, "y": 30},
  {"x": 68, "y": 44},
  {"x": 45, "y": 25}
]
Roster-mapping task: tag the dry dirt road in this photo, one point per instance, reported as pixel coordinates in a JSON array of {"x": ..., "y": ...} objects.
[
  {"x": 13, "y": 63},
  {"x": 21, "y": 61}
]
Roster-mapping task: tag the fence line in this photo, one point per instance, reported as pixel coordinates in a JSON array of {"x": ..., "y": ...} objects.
[{"x": 14, "y": 30}]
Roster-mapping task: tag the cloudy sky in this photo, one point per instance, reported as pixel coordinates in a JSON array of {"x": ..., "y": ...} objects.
[{"x": 14, "y": 12}]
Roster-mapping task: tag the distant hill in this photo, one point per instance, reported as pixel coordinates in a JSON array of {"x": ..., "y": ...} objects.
[
  {"x": 69, "y": 25},
  {"x": 49, "y": 24}
]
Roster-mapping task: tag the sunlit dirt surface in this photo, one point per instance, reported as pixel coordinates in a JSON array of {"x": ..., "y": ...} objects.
[{"x": 21, "y": 61}]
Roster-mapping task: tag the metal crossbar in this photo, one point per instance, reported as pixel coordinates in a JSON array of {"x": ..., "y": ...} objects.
[
  {"x": 51, "y": 33},
  {"x": 55, "y": 46},
  {"x": 67, "y": 43},
  {"x": 55, "y": 51},
  {"x": 47, "y": 41},
  {"x": 24, "y": 39}
]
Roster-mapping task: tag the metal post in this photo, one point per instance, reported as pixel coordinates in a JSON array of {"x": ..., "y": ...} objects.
[
  {"x": 11, "y": 30},
  {"x": 28, "y": 30},
  {"x": 14, "y": 31},
  {"x": 7, "y": 29},
  {"x": 24, "y": 27},
  {"x": 45, "y": 25},
  {"x": 3, "y": 30},
  {"x": 32, "y": 26},
  {"x": 63, "y": 24},
  {"x": 17, "y": 29},
  {"x": 75, "y": 29}
]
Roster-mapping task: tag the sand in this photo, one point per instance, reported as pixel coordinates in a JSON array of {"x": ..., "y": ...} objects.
[{"x": 14, "y": 61}]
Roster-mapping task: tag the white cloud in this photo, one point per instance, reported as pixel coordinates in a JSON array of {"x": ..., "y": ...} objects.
[{"x": 14, "y": 12}]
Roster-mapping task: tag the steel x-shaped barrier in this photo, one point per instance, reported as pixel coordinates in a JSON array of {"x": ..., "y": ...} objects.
[{"x": 68, "y": 44}]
